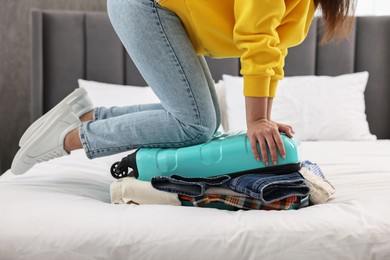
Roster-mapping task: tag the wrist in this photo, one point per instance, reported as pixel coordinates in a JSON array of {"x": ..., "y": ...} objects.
[
  {"x": 256, "y": 108},
  {"x": 269, "y": 107},
  {"x": 256, "y": 122}
]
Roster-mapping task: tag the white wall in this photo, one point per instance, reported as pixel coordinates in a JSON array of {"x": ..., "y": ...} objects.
[{"x": 373, "y": 7}]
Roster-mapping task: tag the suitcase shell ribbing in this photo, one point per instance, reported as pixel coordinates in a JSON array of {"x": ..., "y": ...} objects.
[{"x": 228, "y": 153}]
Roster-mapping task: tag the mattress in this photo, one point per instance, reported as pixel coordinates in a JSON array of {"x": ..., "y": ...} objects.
[{"x": 61, "y": 210}]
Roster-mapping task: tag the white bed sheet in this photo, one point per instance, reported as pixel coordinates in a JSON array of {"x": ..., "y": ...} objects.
[{"x": 61, "y": 210}]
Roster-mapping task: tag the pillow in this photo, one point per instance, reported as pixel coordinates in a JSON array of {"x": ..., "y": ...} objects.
[
  {"x": 108, "y": 95},
  {"x": 317, "y": 107}
]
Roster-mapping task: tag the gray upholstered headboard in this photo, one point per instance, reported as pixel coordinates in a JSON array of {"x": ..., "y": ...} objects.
[{"x": 67, "y": 46}]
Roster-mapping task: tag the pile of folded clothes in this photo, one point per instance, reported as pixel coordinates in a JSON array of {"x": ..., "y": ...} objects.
[{"x": 261, "y": 191}]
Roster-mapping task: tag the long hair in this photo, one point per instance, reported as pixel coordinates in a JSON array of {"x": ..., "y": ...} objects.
[{"x": 338, "y": 16}]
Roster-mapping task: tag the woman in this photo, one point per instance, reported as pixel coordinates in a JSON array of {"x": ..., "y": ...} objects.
[{"x": 167, "y": 40}]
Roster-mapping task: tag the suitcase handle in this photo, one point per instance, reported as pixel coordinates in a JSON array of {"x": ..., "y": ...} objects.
[{"x": 121, "y": 169}]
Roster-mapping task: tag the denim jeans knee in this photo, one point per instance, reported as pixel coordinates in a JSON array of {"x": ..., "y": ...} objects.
[{"x": 159, "y": 46}]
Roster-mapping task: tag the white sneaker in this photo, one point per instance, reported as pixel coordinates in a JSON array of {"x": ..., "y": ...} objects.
[
  {"x": 79, "y": 102},
  {"x": 48, "y": 142}
]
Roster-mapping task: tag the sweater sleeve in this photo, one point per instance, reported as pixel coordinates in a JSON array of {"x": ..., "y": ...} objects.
[
  {"x": 279, "y": 74},
  {"x": 255, "y": 34}
]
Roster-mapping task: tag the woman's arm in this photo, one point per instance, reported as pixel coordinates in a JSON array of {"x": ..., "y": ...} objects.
[
  {"x": 261, "y": 130},
  {"x": 288, "y": 130}
]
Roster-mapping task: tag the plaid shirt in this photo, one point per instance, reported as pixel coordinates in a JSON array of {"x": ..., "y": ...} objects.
[{"x": 242, "y": 202}]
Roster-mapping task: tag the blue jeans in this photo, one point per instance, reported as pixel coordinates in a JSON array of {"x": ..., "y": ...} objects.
[
  {"x": 192, "y": 187},
  {"x": 268, "y": 187},
  {"x": 188, "y": 114},
  {"x": 265, "y": 187}
]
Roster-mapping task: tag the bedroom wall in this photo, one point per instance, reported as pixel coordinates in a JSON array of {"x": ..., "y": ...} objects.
[{"x": 15, "y": 67}]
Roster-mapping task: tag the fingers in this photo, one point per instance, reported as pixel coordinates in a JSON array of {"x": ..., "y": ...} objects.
[
  {"x": 263, "y": 149},
  {"x": 275, "y": 144},
  {"x": 288, "y": 130},
  {"x": 265, "y": 140},
  {"x": 253, "y": 142},
  {"x": 280, "y": 145},
  {"x": 271, "y": 142}
]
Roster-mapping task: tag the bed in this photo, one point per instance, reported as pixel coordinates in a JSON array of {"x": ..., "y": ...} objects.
[{"x": 61, "y": 209}]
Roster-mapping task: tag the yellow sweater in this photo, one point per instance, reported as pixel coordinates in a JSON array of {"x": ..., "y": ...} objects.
[{"x": 257, "y": 31}]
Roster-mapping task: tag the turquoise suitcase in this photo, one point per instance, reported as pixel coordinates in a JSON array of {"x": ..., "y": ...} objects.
[{"x": 228, "y": 153}]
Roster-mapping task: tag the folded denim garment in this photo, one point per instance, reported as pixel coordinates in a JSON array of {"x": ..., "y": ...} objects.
[
  {"x": 223, "y": 191},
  {"x": 268, "y": 187},
  {"x": 264, "y": 187},
  {"x": 192, "y": 187}
]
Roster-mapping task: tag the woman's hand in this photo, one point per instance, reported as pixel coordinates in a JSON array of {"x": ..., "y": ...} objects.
[
  {"x": 288, "y": 130},
  {"x": 266, "y": 134},
  {"x": 263, "y": 131}
]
